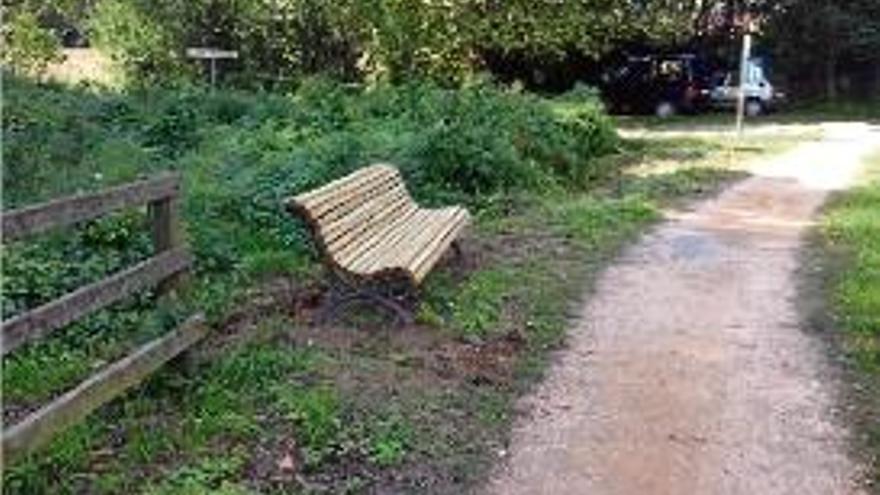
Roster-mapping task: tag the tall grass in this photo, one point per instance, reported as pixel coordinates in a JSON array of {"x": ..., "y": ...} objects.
[{"x": 852, "y": 227}]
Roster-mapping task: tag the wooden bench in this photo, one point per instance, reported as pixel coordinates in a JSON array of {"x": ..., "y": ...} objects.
[{"x": 378, "y": 243}]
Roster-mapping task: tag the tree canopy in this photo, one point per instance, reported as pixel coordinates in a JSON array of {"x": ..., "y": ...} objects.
[{"x": 445, "y": 40}]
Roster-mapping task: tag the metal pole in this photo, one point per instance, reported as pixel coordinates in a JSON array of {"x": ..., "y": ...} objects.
[
  {"x": 213, "y": 72},
  {"x": 743, "y": 79}
]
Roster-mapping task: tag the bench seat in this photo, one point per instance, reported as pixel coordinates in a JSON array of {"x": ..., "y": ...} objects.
[{"x": 367, "y": 226}]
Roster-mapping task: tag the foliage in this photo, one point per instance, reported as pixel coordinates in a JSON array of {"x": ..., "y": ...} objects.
[
  {"x": 141, "y": 44},
  {"x": 389, "y": 440},
  {"x": 817, "y": 40},
  {"x": 849, "y": 281},
  {"x": 316, "y": 412},
  {"x": 276, "y": 40},
  {"x": 375, "y": 40},
  {"x": 356, "y": 417},
  {"x": 476, "y": 307},
  {"x": 241, "y": 155},
  {"x": 418, "y": 39},
  {"x": 205, "y": 477},
  {"x": 451, "y": 145},
  {"x": 851, "y": 227},
  {"x": 27, "y": 46}
]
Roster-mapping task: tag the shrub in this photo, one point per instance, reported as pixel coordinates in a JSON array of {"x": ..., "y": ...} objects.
[
  {"x": 145, "y": 47},
  {"x": 27, "y": 46},
  {"x": 241, "y": 154}
]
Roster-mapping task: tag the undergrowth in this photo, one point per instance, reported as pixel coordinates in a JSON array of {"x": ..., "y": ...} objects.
[
  {"x": 850, "y": 258},
  {"x": 852, "y": 228},
  {"x": 279, "y": 412}
]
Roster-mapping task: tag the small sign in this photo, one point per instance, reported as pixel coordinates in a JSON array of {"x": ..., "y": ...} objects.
[{"x": 210, "y": 53}]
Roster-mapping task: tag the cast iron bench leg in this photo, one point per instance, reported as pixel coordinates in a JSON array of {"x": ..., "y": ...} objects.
[{"x": 342, "y": 296}]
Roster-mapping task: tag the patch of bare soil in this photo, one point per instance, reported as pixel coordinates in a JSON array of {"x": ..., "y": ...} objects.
[
  {"x": 688, "y": 371},
  {"x": 375, "y": 366}
]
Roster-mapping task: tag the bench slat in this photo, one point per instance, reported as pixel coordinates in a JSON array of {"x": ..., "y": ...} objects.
[
  {"x": 336, "y": 199},
  {"x": 409, "y": 239},
  {"x": 415, "y": 241},
  {"x": 350, "y": 254},
  {"x": 349, "y": 241},
  {"x": 373, "y": 212},
  {"x": 367, "y": 224},
  {"x": 342, "y": 206},
  {"x": 360, "y": 260},
  {"x": 424, "y": 262},
  {"x": 316, "y": 196}
]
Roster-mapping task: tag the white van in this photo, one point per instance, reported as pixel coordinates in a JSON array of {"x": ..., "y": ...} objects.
[{"x": 761, "y": 97}]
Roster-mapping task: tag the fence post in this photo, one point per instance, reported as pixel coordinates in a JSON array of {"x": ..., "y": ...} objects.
[{"x": 164, "y": 217}]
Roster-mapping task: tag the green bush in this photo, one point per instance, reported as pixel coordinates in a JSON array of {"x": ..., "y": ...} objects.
[
  {"x": 27, "y": 46},
  {"x": 144, "y": 46},
  {"x": 242, "y": 154}
]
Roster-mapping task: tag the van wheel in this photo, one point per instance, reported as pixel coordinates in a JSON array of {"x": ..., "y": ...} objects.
[
  {"x": 664, "y": 109},
  {"x": 754, "y": 108}
]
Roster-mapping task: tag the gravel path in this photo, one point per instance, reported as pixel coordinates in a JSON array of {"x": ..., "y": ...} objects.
[
  {"x": 687, "y": 130},
  {"x": 687, "y": 372}
]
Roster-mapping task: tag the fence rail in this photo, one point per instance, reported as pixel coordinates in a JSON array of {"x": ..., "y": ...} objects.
[
  {"x": 32, "y": 220},
  {"x": 165, "y": 270},
  {"x": 39, "y": 322}
]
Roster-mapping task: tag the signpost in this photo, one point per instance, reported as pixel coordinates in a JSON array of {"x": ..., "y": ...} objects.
[
  {"x": 743, "y": 81},
  {"x": 212, "y": 54}
]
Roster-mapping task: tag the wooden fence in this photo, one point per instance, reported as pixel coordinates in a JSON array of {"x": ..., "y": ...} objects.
[{"x": 165, "y": 270}]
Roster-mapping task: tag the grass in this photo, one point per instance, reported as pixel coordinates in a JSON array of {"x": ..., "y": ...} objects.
[
  {"x": 376, "y": 411},
  {"x": 852, "y": 228},
  {"x": 162, "y": 433},
  {"x": 271, "y": 405},
  {"x": 848, "y": 308},
  {"x": 806, "y": 113}
]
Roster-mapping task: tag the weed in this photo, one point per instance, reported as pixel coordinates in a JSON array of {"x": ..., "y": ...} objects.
[
  {"x": 316, "y": 413},
  {"x": 389, "y": 440},
  {"x": 520, "y": 163},
  {"x": 477, "y": 306},
  {"x": 849, "y": 282},
  {"x": 208, "y": 476},
  {"x": 851, "y": 227}
]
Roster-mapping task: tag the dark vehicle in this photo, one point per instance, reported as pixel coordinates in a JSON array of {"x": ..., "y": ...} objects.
[{"x": 662, "y": 85}]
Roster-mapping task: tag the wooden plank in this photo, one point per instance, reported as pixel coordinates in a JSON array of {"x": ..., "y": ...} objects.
[
  {"x": 323, "y": 201},
  {"x": 39, "y": 427},
  {"x": 74, "y": 209},
  {"x": 364, "y": 225},
  {"x": 352, "y": 180},
  {"x": 432, "y": 254},
  {"x": 416, "y": 240},
  {"x": 165, "y": 230},
  {"x": 339, "y": 202},
  {"x": 346, "y": 255},
  {"x": 346, "y": 210},
  {"x": 373, "y": 211},
  {"x": 42, "y": 320},
  {"x": 357, "y": 261},
  {"x": 373, "y": 260}
]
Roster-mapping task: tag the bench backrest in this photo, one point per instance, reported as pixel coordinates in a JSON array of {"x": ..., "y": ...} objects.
[{"x": 347, "y": 210}]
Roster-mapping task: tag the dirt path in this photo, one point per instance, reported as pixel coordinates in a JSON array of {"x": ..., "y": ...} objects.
[
  {"x": 688, "y": 373},
  {"x": 684, "y": 130}
]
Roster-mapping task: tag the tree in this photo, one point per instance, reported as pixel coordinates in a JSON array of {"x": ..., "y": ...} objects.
[
  {"x": 815, "y": 40},
  {"x": 28, "y": 47}
]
